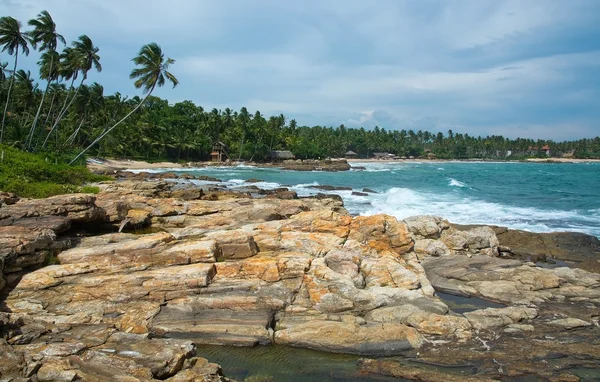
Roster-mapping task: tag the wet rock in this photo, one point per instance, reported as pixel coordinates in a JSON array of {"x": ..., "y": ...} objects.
[
  {"x": 484, "y": 319},
  {"x": 332, "y": 188},
  {"x": 356, "y": 193},
  {"x": 570, "y": 323},
  {"x": 369, "y": 191},
  {"x": 413, "y": 373}
]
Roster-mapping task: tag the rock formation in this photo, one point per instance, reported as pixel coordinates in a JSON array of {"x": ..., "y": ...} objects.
[{"x": 123, "y": 285}]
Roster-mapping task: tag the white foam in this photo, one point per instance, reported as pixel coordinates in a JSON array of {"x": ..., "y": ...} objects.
[
  {"x": 455, "y": 183},
  {"x": 403, "y": 202}
]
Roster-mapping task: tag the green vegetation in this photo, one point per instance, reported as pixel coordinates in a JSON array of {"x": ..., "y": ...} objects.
[
  {"x": 56, "y": 115},
  {"x": 42, "y": 175}
]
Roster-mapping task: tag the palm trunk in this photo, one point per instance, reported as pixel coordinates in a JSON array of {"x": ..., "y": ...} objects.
[
  {"x": 71, "y": 139},
  {"x": 242, "y": 146},
  {"x": 51, "y": 106},
  {"x": 12, "y": 80},
  {"x": 64, "y": 109},
  {"x": 117, "y": 124},
  {"x": 39, "y": 110}
]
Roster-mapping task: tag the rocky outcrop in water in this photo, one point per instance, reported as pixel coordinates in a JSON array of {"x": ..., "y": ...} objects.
[{"x": 137, "y": 276}]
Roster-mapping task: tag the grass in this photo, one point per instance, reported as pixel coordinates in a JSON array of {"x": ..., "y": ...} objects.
[{"x": 39, "y": 175}]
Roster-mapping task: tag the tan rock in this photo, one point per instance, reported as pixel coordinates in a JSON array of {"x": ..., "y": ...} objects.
[{"x": 348, "y": 337}]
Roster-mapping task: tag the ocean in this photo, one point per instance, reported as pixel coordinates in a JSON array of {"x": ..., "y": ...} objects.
[{"x": 537, "y": 197}]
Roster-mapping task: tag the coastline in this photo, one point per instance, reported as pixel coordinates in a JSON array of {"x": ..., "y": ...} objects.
[
  {"x": 172, "y": 248},
  {"x": 104, "y": 165},
  {"x": 99, "y": 165},
  {"x": 533, "y": 160}
]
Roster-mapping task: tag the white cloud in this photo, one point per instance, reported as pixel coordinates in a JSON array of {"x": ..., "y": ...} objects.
[{"x": 417, "y": 64}]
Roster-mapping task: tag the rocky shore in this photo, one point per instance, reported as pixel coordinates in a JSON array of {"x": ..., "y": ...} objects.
[
  {"x": 332, "y": 165},
  {"x": 124, "y": 285}
]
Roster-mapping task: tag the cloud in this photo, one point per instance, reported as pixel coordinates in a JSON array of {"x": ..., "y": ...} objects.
[{"x": 495, "y": 67}]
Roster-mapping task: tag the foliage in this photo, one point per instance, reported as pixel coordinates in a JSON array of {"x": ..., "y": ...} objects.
[
  {"x": 52, "y": 114},
  {"x": 42, "y": 175}
]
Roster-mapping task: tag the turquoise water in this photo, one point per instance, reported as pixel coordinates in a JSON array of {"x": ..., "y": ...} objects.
[{"x": 538, "y": 197}]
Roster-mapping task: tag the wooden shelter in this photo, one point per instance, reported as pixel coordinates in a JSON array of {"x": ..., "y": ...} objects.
[
  {"x": 351, "y": 154},
  {"x": 382, "y": 155},
  {"x": 219, "y": 152}
]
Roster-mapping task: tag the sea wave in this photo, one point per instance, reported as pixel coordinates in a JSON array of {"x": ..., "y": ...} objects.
[
  {"x": 404, "y": 202},
  {"x": 455, "y": 183}
]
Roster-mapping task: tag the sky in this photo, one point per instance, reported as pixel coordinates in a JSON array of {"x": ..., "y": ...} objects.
[{"x": 518, "y": 68}]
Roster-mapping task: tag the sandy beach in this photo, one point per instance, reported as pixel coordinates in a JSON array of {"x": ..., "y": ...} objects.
[{"x": 124, "y": 164}]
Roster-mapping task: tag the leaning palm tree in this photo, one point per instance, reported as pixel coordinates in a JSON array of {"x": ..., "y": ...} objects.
[
  {"x": 44, "y": 33},
  {"x": 11, "y": 40},
  {"x": 151, "y": 72},
  {"x": 83, "y": 56},
  {"x": 89, "y": 101}
]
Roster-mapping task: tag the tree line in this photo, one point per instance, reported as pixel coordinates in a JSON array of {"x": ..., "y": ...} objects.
[{"x": 57, "y": 111}]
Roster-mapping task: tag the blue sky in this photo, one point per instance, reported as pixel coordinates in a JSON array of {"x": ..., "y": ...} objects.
[{"x": 528, "y": 68}]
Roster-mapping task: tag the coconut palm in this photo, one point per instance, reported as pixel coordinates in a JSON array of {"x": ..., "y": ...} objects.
[
  {"x": 44, "y": 34},
  {"x": 244, "y": 120},
  {"x": 90, "y": 100},
  {"x": 3, "y": 71},
  {"x": 82, "y": 57},
  {"x": 49, "y": 71},
  {"x": 11, "y": 40},
  {"x": 151, "y": 72}
]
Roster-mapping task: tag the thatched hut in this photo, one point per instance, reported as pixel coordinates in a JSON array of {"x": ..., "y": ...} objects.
[{"x": 351, "y": 155}]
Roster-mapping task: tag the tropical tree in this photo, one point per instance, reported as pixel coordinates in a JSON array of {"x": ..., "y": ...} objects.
[
  {"x": 90, "y": 100},
  {"x": 44, "y": 34},
  {"x": 244, "y": 119},
  {"x": 82, "y": 57},
  {"x": 3, "y": 71},
  {"x": 152, "y": 71},
  {"x": 12, "y": 40}
]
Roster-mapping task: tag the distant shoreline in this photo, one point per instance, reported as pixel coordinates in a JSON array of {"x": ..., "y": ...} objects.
[
  {"x": 100, "y": 165},
  {"x": 474, "y": 160}
]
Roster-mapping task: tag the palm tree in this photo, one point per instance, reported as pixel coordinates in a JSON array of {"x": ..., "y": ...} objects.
[
  {"x": 151, "y": 72},
  {"x": 244, "y": 118},
  {"x": 12, "y": 40},
  {"x": 3, "y": 70},
  {"x": 44, "y": 33},
  {"x": 84, "y": 56},
  {"x": 89, "y": 101}
]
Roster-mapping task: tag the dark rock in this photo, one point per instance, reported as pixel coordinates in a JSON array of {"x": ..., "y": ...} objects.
[
  {"x": 326, "y": 196},
  {"x": 359, "y": 168},
  {"x": 369, "y": 191},
  {"x": 207, "y": 178},
  {"x": 332, "y": 188},
  {"x": 581, "y": 249},
  {"x": 253, "y": 180},
  {"x": 8, "y": 198},
  {"x": 356, "y": 193},
  {"x": 284, "y": 195},
  {"x": 189, "y": 194}
]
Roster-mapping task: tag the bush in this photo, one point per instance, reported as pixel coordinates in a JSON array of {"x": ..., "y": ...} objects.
[{"x": 42, "y": 175}]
